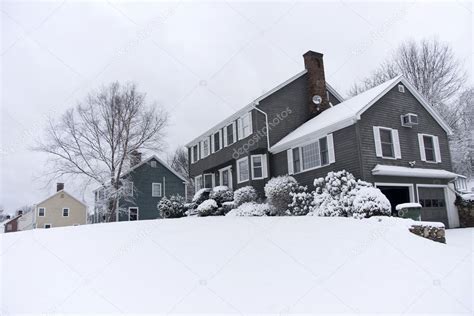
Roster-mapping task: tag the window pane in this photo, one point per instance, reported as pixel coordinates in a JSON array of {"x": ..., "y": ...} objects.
[
  {"x": 257, "y": 167},
  {"x": 429, "y": 150},
  {"x": 225, "y": 177},
  {"x": 217, "y": 142},
  {"x": 230, "y": 134},
  {"x": 296, "y": 160},
  {"x": 243, "y": 170},
  {"x": 311, "y": 157},
  {"x": 208, "y": 181},
  {"x": 323, "y": 145},
  {"x": 386, "y": 141},
  {"x": 195, "y": 153}
]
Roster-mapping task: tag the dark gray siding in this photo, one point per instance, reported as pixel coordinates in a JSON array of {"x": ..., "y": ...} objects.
[
  {"x": 142, "y": 178},
  {"x": 346, "y": 154},
  {"x": 386, "y": 112}
]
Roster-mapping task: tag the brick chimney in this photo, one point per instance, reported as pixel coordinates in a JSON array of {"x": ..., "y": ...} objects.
[
  {"x": 59, "y": 186},
  {"x": 135, "y": 158},
  {"x": 313, "y": 62}
]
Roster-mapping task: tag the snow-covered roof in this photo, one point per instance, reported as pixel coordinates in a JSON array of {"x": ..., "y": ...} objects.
[
  {"x": 254, "y": 103},
  {"x": 384, "y": 170},
  {"x": 160, "y": 161},
  {"x": 347, "y": 113}
]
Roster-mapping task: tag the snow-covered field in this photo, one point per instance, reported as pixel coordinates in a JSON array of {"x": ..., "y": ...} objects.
[{"x": 237, "y": 265}]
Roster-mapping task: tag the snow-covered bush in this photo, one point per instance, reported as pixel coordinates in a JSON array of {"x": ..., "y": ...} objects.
[
  {"x": 221, "y": 194},
  {"x": 332, "y": 196},
  {"x": 245, "y": 194},
  {"x": 301, "y": 201},
  {"x": 172, "y": 207},
  {"x": 251, "y": 209},
  {"x": 201, "y": 195},
  {"x": 207, "y": 208},
  {"x": 370, "y": 201},
  {"x": 277, "y": 190},
  {"x": 227, "y": 207}
]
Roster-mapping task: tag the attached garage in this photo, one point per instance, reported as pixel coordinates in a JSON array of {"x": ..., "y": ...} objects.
[{"x": 433, "y": 201}]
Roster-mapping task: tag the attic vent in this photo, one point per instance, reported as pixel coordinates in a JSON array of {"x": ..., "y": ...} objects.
[
  {"x": 401, "y": 88},
  {"x": 153, "y": 164},
  {"x": 409, "y": 119}
]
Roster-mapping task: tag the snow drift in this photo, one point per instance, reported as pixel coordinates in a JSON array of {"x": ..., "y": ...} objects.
[{"x": 235, "y": 264}]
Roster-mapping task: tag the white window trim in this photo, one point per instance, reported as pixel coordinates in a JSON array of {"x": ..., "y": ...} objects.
[
  {"x": 160, "y": 192},
  {"x": 68, "y": 211},
  {"x": 44, "y": 212},
  {"x": 203, "y": 154},
  {"x": 213, "y": 181},
  {"x": 263, "y": 159},
  {"x": 437, "y": 151},
  {"x": 194, "y": 159},
  {"x": 50, "y": 226},
  {"x": 331, "y": 155},
  {"x": 229, "y": 168},
  {"x": 397, "y": 154},
  {"x": 234, "y": 136},
  {"x": 240, "y": 127},
  {"x": 213, "y": 145},
  {"x": 138, "y": 212},
  {"x": 197, "y": 179},
  {"x": 153, "y": 164},
  {"x": 238, "y": 170}
]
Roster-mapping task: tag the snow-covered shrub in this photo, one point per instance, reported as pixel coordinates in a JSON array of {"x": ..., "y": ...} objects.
[
  {"x": 277, "y": 190},
  {"x": 227, "y": 207},
  {"x": 245, "y": 194},
  {"x": 221, "y": 194},
  {"x": 207, "y": 208},
  {"x": 251, "y": 209},
  {"x": 301, "y": 201},
  {"x": 332, "y": 196},
  {"x": 201, "y": 195},
  {"x": 172, "y": 207},
  {"x": 370, "y": 201}
]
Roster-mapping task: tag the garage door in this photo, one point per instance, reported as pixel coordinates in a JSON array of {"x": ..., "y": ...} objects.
[{"x": 434, "y": 205}]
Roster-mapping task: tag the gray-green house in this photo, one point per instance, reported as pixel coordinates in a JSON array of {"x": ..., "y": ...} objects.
[{"x": 146, "y": 184}]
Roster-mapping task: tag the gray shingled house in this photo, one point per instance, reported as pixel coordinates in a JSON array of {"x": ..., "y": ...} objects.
[{"x": 389, "y": 136}]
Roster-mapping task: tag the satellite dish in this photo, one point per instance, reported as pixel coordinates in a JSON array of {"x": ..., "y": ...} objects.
[{"x": 317, "y": 99}]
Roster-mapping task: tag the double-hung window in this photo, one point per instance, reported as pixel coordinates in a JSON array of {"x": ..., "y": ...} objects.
[
  {"x": 225, "y": 176},
  {"x": 205, "y": 150},
  {"x": 229, "y": 134},
  {"x": 195, "y": 153},
  {"x": 156, "y": 190},
  {"x": 387, "y": 143},
  {"x": 208, "y": 180},
  {"x": 216, "y": 141},
  {"x": 259, "y": 166},
  {"x": 429, "y": 148},
  {"x": 245, "y": 125},
  {"x": 312, "y": 155},
  {"x": 198, "y": 183},
  {"x": 41, "y": 211},
  {"x": 65, "y": 212},
  {"x": 243, "y": 170}
]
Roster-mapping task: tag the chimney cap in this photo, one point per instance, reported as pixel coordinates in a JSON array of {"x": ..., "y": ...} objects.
[{"x": 312, "y": 53}]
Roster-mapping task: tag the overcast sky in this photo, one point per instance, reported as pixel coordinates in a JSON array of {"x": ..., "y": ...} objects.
[{"x": 201, "y": 60}]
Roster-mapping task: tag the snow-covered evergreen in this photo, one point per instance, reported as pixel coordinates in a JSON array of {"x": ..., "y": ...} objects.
[
  {"x": 207, "y": 208},
  {"x": 301, "y": 201},
  {"x": 251, "y": 209},
  {"x": 245, "y": 194},
  {"x": 369, "y": 201},
  {"x": 221, "y": 194},
  {"x": 277, "y": 190}
]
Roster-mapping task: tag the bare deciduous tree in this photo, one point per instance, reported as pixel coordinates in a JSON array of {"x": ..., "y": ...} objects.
[
  {"x": 180, "y": 163},
  {"x": 430, "y": 65},
  {"x": 96, "y": 139}
]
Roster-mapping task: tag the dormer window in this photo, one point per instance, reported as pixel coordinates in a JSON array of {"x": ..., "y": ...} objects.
[{"x": 409, "y": 119}]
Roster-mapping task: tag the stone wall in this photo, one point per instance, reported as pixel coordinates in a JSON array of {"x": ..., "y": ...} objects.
[
  {"x": 465, "y": 211},
  {"x": 432, "y": 232}
]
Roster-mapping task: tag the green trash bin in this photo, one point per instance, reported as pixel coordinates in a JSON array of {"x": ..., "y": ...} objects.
[{"x": 409, "y": 210}]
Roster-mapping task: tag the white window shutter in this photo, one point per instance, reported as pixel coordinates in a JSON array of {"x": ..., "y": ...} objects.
[
  {"x": 192, "y": 154},
  {"x": 221, "y": 141},
  {"x": 202, "y": 148},
  {"x": 265, "y": 166},
  {"x": 378, "y": 144},
  {"x": 436, "y": 148},
  {"x": 396, "y": 144},
  {"x": 212, "y": 143},
  {"x": 422, "y": 147},
  {"x": 225, "y": 137},
  {"x": 239, "y": 129},
  {"x": 250, "y": 122},
  {"x": 331, "y": 153},
  {"x": 289, "y": 158}
]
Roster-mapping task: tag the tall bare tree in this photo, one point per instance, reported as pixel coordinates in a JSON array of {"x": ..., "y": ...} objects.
[
  {"x": 180, "y": 163},
  {"x": 430, "y": 65},
  {"x": 97, "y": 138}
]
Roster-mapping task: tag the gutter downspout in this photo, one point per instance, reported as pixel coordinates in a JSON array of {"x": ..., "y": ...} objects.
[{"x": 266, "y": 123}]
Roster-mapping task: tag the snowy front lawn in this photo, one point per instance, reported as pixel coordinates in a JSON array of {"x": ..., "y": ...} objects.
[{"x": 236, "y": 264}]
